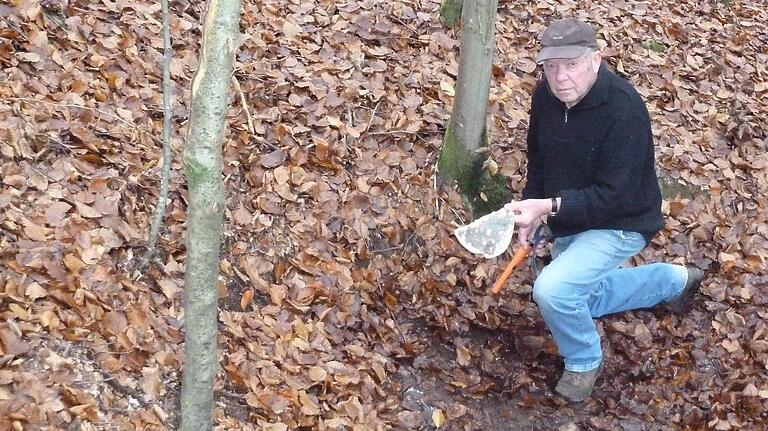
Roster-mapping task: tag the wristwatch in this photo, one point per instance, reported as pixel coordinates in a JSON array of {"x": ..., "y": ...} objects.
[{"x": 553, "y": 211}]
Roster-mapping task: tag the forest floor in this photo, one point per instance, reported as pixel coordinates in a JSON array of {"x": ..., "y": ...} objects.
[{"x": 345, "y": 301}]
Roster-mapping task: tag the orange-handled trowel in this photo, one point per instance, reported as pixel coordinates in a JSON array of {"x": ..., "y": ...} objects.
[{"x": 517, "y": 259}]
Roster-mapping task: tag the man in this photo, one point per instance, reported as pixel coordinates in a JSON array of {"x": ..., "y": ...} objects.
[{"x": 591, "y": 174}]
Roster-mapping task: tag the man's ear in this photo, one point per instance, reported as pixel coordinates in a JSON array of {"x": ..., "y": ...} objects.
[{"x": 597, "y": 58}]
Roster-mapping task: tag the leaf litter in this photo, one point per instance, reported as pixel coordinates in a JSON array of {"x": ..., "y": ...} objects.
[{"x": 345, "y": 301}]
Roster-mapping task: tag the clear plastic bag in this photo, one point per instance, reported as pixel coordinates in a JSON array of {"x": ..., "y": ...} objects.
[{"x": 490, "y": 235}]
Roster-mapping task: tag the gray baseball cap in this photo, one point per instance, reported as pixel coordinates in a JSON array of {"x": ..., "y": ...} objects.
[{"x": 566, "y": 38}]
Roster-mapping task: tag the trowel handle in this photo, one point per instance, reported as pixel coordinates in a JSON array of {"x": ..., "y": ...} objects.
[{"x": 518, "y": 258}]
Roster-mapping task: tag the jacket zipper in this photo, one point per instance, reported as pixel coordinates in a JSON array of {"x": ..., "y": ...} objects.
[{"x": 566, "y": 115}]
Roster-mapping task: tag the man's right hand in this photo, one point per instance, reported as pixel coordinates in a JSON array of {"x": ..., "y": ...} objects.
[{"x": 528, "y": 215}]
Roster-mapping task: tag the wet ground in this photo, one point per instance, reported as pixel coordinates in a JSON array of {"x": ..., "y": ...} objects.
[{"x": 515, "y": 393}]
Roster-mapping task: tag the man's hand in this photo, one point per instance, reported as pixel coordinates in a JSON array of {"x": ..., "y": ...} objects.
[{"x": 527, "y": 215}]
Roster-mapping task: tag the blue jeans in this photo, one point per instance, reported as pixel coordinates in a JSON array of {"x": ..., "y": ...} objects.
[{"x": 584, "y": 281}]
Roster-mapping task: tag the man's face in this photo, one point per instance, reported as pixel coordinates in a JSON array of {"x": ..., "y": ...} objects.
[{"x": 571, "y": 78}]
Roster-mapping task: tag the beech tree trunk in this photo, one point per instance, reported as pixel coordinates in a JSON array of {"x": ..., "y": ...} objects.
[
  {"x": 203, "y": 170},
  {"x": 466, "y": 129}
]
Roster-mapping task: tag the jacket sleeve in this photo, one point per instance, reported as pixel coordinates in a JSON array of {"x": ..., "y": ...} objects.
[
  {"x": 534, "y": 185},
  {"x": 625, "y": 155}
]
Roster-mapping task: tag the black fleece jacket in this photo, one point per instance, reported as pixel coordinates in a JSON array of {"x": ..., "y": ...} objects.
[{"x": 597, "y": 156}]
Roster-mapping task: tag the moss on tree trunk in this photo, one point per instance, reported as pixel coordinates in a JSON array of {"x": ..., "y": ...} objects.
[
  {"x": 482, "y": 192},
  {"x": 456, "y": 162},
  {"x": 450, "y": 10},
  {"x": 466, "y": 130}
]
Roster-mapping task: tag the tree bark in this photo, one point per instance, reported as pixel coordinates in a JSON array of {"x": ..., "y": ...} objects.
[
  {"x": 473, "y": 82},
  {"x": 165, "y": 173},
  {"x": 450, "y": 10},
  {"x": 203, "y": 170},
  {"x": 466, "y": 129}
]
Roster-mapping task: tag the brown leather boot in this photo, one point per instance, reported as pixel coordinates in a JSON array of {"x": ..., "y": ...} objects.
[{"x": 577, "y": 386}]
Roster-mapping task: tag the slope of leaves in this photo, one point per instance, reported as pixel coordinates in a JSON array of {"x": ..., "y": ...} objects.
[{"x": 340, "y": 274}]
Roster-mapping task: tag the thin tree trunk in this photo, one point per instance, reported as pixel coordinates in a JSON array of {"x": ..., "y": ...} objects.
[
  {"x": 162, "y": 198},
  {"x": 466, "y": 130},
  {"x": 203, "y": 170},
  {"x": 473, "y": 82}
]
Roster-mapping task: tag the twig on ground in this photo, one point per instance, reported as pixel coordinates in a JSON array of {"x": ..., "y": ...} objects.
[
  {"x": 8, "y": 234},
  {"x": 133, "y": 127},
  {"x": 394, "y": 319},
  {"x": 399, "y": 21},
  {"x": 244, "y": 103},
  {"x": 373, "y": 115},
  {"x": 16, "y": 28},
  {"x": 397, "y": 247},
  {"x": 230, "y": 394},
  {"x": 392, "y": 132},
  {"x": 121, "y": 388}
]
